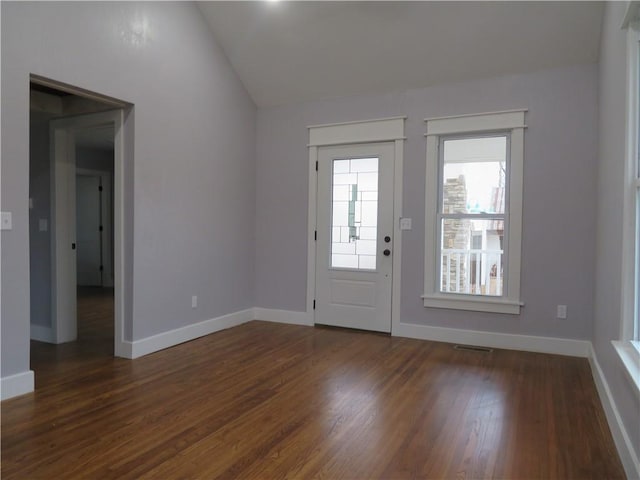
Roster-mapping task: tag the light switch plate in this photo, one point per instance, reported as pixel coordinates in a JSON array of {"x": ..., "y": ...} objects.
[
  {"x": 5, "y": 221},
  {"x": 43, "y": 225},
  {"x": 405, "y": 224},
  {"x": 561, "y": 311}
]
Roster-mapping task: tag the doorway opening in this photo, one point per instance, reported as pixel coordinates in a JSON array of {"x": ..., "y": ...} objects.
[{"x": 75, "y": 224}]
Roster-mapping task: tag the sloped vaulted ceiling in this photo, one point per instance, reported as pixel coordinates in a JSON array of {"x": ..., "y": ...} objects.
[{"x": 286, "y": 52}]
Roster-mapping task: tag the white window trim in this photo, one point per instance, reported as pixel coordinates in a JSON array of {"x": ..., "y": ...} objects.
[
  {"x": 627, "y": 349},
  {"x": 512, "y": 122}
]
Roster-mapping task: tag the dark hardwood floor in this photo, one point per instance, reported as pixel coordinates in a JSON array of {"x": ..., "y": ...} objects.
[{"x": 269, "y": 401}]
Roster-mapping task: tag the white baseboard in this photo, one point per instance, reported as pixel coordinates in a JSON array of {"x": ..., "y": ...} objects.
[
  {"x": 123, "y": 350},
  {"x": 18, "y": 384},
  {"x": 282, "y": 316},
  {"x": 168, "y": 339},
  {"x": 42, "y": 334},
  {"x": 620, "y": 437},
  {"x": 527, "y": 343}
]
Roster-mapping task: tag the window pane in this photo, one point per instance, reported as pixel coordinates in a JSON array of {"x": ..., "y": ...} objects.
[
  {"x": 471, "y": 256},
  {"x": 354, "y": 213},
  {"x": 474, "y": 175}
]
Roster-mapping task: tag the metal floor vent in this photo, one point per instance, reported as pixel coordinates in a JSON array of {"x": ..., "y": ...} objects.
[{"x": 473, "y": 348}]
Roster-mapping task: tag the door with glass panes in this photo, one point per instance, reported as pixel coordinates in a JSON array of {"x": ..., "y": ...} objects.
[{"x": 354, "y": 249}]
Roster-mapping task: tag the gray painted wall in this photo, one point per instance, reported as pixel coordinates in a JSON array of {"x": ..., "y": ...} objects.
[
  {"x": 611, "y": 174},
  {"x": 193, "y": 177},
  {"x": 94, "y": 159},
  {"x": 559, "y": 199}
]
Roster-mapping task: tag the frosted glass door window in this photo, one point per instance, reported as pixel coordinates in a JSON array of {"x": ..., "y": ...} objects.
[{"x": 354, "y": 213}]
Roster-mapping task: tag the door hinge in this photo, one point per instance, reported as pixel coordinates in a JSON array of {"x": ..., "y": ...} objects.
[
  {"x": 99, "y": 188},
  {"x": 316, "y": 165},
  {"x": 100, "y": 228},
  {"x": 314, "y": 304},
  {"x": 315, "y": 235},
  {"x": 101, "y": 268}
]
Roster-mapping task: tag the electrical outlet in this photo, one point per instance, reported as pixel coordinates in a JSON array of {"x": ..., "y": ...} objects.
[
  {"x": 194, "y": 301},
  {"x": 562, "y": 311}
]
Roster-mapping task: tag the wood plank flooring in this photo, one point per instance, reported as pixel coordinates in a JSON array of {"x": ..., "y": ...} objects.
[{"x": 274, "y": 401}]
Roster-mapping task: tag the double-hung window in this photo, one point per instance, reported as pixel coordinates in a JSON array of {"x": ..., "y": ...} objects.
[
  {"x": 474, "y": 212},
  {"x": 628, "y": 347},
  {"x": 632, "y": 208}
]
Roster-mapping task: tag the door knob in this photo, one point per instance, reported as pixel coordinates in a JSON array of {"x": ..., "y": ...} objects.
[{"x": 386, "y": 252}]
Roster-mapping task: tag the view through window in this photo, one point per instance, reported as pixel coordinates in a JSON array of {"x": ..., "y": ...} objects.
[{"x": 472, "y": 214}]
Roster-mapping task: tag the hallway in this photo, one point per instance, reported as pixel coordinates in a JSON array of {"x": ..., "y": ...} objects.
[{"x": 94, "y": 343}]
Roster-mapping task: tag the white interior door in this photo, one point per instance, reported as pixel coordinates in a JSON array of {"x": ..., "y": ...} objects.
[
  {"x": 354, "y": 250},
  {"x": 88, "y": 234}
]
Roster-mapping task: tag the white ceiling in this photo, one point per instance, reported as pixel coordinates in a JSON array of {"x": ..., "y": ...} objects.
[{"x": 287, "y": 52}]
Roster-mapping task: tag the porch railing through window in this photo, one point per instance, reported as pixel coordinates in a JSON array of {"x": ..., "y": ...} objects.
[{"x": 475, "y": 272}]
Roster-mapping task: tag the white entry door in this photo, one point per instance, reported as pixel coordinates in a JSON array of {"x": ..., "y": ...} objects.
[{"x": 354, "y": 249}]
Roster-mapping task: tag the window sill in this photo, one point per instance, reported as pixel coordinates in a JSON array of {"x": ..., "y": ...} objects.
[
  {"x": 630, "y": 358},
  {"x": 473, "y": 303}
]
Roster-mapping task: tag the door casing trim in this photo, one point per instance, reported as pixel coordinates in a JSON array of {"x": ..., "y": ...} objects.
[
  {"x": 347, "y": 133},
  {"x": 64, "y": 329}
]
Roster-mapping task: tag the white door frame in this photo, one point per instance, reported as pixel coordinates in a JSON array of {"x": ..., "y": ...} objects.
[
  {"x": 105, "y": 210},
  {"x": 63, "y": 173},
  {"x": 348, "y": 133}
]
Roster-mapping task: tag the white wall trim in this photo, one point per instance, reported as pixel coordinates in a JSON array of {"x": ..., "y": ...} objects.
[
  {"x": 511, "y": 124},
  {"x": 41, "y": 333},
  {"x": 472, "y": 303},
  {"x": 174, "y": 337},
  {"x": 396, "y": 274},
  {"x": 508, "y": 341},
  {"x": 282, "y": 316},
  {"x": 630, "y": 234},
  {"x": 81, "y": 92},
  {"x": 463, "y": 115},
  {"x": 312, "y": 211},
  {"x": 321, "y": 125},
  {"x": 63, "y": 261},
  {"x": 630, "y": 360},
  {"x": 366, "y": 131},
  {"x": 369, "y": 131},
  {"x": 476, "y": 122},
  {"x": 124, "y": 349},
  {"x": 18, "y": 384},
  {"x": 620, "y": 437}
]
